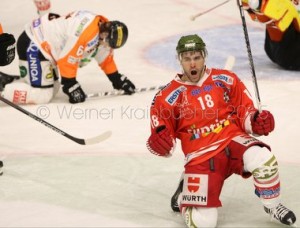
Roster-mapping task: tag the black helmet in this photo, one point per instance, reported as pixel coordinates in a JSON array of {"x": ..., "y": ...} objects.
[{"x": 117, "y": 33}]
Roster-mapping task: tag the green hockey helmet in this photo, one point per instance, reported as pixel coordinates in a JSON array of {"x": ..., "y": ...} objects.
[{"x": 191, "y": 43}]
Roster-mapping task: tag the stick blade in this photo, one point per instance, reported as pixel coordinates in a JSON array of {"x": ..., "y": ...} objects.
[{"x": 97, "y": 139}]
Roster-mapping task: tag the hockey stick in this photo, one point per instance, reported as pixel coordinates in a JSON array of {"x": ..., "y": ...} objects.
[
  {"x": 228, "y": 66},
  {"x": 89, "y": 141},
  {"x": 122, "y": 92},
  {"x": 108, "y": 93},
  {"x": 250, "y": 58},
  {"x": 204, "y": 12},
  {"x": 229, "y": 62}
]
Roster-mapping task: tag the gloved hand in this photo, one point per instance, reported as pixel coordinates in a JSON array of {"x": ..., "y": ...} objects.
[
  {"x": 7, "y": 48},
  {"x": 121, "y": 82},
  {"x": 262, "y": 123},
  {"x": 160, "y": 142},
  {"x": 73, "y": 89}
]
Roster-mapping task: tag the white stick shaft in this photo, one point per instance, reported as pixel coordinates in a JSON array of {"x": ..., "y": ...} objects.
[
  {"x": 121, "y": 92},
  {"x": 206, "y": 11}
]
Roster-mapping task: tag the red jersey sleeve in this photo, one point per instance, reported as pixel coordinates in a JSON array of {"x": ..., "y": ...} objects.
[
  {"x": 161, "y": 113},
  {"x": 241, "y": 101}
]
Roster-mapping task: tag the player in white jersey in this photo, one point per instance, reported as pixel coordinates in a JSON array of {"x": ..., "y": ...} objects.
[
  {"x": 54, "y": 46},
  {"x": 7, "y": 55}
]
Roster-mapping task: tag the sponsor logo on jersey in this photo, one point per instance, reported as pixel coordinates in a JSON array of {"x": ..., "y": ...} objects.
[
  {"x": 220, "y": 84},
  {"x": 36, "y": 23},
  {"x": 80, "y": 27},
  {"x": 94, "y": 41},
  {"x": 20, "y": 97},
  {"x": 216, "y": 128},
  {"x": 173, "y": 96},
  {"x": 226, "y": 97},
  {"x": 225, "y": 78},
  {"x": 250, "y": 141},
  {"x": 49, "y": 75},
  {"x": 269, "y": 193},
  {"x": 197, "y": 91},
  {"x": 73, "y": 59},
  {"x": 245, "y": 140},
  {"x": 195, "y": 189},
  {"x": 23, "y": 71},
  {"x": 35, "y": 70}
]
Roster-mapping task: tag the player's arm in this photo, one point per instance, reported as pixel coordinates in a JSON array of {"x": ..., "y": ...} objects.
[
  {"x": 119, "y": 81},
  {"x": 68, "y": 66},
  {"x": 249, "y": 118},
  {"x": 72, "y": 54},
  {"x": 162, "y": 139}
]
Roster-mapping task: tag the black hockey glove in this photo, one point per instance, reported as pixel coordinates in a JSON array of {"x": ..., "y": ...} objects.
[
  {"x": 121, "y": 82},
  {"x": 72, "y": 88}
]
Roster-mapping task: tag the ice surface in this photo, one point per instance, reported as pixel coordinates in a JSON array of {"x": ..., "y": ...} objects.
[{"x": 50, "y": 181}]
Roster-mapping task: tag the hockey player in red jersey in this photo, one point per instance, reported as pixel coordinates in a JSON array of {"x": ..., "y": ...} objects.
[
  {"x": 282, "y": 20},
  {"x": 211, "y": 112},
  {"x": 54, "y": 46}
]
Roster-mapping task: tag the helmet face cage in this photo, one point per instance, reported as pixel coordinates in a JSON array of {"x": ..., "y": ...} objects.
[
  {"x": 191, "y": 43},
  {"x": 118, "y": 34}
]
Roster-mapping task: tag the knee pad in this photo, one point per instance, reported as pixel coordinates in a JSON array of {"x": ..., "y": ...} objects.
[
  {"x": 261, "y": 163},
  {"x": 200, "y": 216},
  {"x": 266, "y": 170},
  {"x": 256, "y": 159},
  {"x": 22, "y": 93}
]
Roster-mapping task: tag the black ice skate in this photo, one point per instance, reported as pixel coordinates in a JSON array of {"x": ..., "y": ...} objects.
[
  {"x": 1, "y": 168},
  {"x": 282, "y": 214},
  {"x": 174, "y": 199},
  {"x": 6, "y": 79}
]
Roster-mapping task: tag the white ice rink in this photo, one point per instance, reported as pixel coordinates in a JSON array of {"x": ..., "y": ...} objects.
[{"x": 50, "y": 181}]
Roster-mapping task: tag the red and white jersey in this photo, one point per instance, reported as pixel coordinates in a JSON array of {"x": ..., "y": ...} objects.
[
  {"x": 204, "y": 116},
  {"x": 71, "y": 41}
]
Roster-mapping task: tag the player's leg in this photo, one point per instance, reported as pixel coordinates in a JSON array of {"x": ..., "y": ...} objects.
[
  {"x": 37, "y": 78},
  {"x": 174, "y": 198},
  {"x": 202, "y": 185},
  {"x": 200, "y": 216},
  {"x": 254, "y": 157},
  {"x": 264, "y": 168},
  {"x": 1, "y": 168}
]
